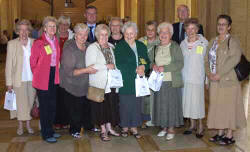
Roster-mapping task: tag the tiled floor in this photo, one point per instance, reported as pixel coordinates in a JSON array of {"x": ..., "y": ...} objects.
[{"x": 90, "y": 142}]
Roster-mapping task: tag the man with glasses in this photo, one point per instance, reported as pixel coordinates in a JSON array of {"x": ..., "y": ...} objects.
[{"x": 179, "y": 31}]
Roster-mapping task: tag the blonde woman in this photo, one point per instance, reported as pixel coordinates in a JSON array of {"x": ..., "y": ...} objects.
[{"x": 19, "y": 76}]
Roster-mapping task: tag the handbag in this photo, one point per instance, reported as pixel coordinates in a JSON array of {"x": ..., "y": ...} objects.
[
  {"x": 95, "y": 94},
  {"x": 35, "y": 112},
  {"x": 10, "y": 101},
  {"x": 242, "y": 69}
]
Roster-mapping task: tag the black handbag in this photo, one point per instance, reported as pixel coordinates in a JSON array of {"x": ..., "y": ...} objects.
[{"x": 242, "y": 69}]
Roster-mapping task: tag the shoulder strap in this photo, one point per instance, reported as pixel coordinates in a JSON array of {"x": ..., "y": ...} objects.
[
  {"x": 155, "y": 47},
  {"x": 228, "y": 42}
]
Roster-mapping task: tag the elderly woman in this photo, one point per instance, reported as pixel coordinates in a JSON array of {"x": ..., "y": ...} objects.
[
  {"x": 131, "y": 59},
  {"x": 193, "y": 73},
  {"x": 63, "y": 34},
  {"x": 167, "y": 112},
  {"x": 151, "y": 40},
  {"x": 44, "y": 62},
  {"x": 100, "y": 55},
  {"x": 115, "y": 26},
  {"x": 74, "y": 78},
  {"x": 226, "y": 111},
  {"x": 18, "y": 74}
]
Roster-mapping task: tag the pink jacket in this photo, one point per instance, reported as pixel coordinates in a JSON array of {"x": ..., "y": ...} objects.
[{"x": 40, "y": 63}]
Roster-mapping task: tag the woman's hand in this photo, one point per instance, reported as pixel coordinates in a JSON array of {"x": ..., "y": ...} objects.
[
  {"x": 9, "y": 88},
  {"x": 155, "y": 68},
  {"x": 110, "y": 66},
  {"x": 214, "y": 77},
  {"x": 91, "y": 70},
  {"x": 161, "y": 69},
  {"x": 140, "y": 70}
]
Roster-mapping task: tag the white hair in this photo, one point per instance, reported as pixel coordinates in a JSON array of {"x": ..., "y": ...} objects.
[
  {"x": 116, "y": 19},
  {"x": 101, "y": 27},
  {"x": 81, "y": 27},
  {"x": 128, "y": 25},
  {"x": 165, "y": 25},
  {"x": 64, "y": 19}
]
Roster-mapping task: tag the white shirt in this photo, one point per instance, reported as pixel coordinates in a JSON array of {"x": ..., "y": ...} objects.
[
  {"x": 93, "y": 29},
  {"x": 26, "y": 74}
]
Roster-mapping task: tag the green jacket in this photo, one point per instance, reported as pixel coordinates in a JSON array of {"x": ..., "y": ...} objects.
[
  {"x": 126, "y": 62},
  {"x": 176, "y": 65}
]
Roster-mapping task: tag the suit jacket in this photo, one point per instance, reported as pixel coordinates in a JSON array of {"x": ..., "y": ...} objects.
[
  {"x": 89, "y": 40},
  {"x": 14, "y": 63},
  {"x": 40, "y": 63},
  {"x": 175, "y": 36},
  {"x": 227, "y": 59}
]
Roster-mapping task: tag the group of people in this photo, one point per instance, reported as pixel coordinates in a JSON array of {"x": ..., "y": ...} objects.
[{"x": 60, "y": 66}]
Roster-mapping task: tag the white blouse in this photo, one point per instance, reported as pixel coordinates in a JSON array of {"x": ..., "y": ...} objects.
[{"x": 26, "y": 73}]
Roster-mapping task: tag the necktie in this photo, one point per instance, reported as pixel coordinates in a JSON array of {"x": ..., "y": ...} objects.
[
  {"x": 180, "y": 32},
  {"x": 91, "y": 35}
]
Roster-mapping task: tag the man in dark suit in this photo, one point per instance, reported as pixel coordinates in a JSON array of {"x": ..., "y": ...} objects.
[
  {"x": 179, "y": 31},
  {"x": 91, "y": 16}
]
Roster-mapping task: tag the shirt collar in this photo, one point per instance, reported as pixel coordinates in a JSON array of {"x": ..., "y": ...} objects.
[{"x": 94, "y": 25}]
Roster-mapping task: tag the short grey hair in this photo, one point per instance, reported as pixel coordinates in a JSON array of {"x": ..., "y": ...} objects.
[
  {"x": 151, "y": 23},
  {"x": 101, "y": 27},
  {"x": 165, "y": 25},
  {"x": 81, "y": 27},
  {"x": 182, "y": 5},
  {"x": 64, "y": 19},
  {"x": 128, "y": 25},
  {"x": 116, "y": 19},
  {"x": 23, "y": 22},
  {"x": 49, "y": 19}
]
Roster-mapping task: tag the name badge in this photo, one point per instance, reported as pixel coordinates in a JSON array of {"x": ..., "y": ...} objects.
[
  {"x": 199, "y": 50},
  {"x": 145, "y": 42},
  {"x": 143, "y": 61},
  {"x": 48, "y": 49}
]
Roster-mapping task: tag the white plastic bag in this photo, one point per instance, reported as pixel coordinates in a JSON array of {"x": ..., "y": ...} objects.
[
  {"x": 155, "y": 80},
  {"x": 141, "y": 86},
  {"x": 10, "y": 100},
  {"x": 115, "y": 79}
]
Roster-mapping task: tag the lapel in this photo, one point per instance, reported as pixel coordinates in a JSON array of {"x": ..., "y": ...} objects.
[
  {"x": 222, "y": 52},
  {"x": 19, "y": 49}
]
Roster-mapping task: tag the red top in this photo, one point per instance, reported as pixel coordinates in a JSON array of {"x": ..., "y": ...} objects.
[
  {"x": 40, "y": 63},
  {"x": 62, "y": 41}
]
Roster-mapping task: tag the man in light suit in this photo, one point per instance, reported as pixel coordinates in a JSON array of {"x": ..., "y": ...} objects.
[
  {"x": 179, "y": 31},
  {"x": 91, "y": 16}
]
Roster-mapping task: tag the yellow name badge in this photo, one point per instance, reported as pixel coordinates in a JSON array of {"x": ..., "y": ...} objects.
[
  {"x": 199, "y": 50},
  {"x": 143, "y": 61},
  {"x": 48, "y": 49}
]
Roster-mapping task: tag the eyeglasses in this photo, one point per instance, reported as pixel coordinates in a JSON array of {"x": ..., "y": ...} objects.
[
  {"x": 223, "y": 24},
  {"x": 51, "y": 26}
]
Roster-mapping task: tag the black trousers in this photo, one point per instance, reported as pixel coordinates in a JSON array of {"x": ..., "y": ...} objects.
[
  {"x": 47, "y": 106},
  {"x": 62, "y": 110},
  {"x": 79, "y": 112}
]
